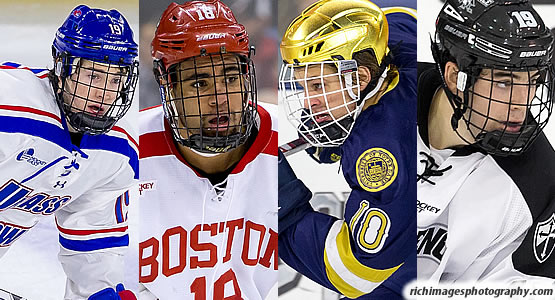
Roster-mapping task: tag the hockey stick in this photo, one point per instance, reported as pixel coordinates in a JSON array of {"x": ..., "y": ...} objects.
[
  {"x": 294, "y": 146},
  {"x": 9, "y": 296}
]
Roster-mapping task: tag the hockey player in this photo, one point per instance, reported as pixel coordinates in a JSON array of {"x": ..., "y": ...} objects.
[
  {"x": 208, "y": 164},
  {"x": 62, "y": 152},
  {"x": 351, "y": 68},
  {"x": 487, "y": 173}
]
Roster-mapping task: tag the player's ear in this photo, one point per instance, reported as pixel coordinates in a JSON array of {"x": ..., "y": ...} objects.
[
  {"x": 450, "y": 73},
  {"x": 58, "y": 84},
  {"x": 364, "y": 76}
]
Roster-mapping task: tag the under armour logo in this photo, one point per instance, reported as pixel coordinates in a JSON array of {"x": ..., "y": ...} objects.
[{"x": 60, "y": 184}]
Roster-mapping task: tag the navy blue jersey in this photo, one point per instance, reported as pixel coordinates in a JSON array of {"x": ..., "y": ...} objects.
[{"x": 375, "y": 244}]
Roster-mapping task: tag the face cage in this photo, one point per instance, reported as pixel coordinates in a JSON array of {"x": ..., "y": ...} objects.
[
  {"x": 507, "y": 134},
  {"x": 311, "y": 110},
  {"x": 216, "y": 107},
  {"x": 96, "y": 96}
]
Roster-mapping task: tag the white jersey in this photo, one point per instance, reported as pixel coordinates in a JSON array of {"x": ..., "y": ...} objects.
[
  {"x": 200, "y": 241},
  {"x": 482, "y": 217},
  {"x": 43, "y": 173},
  {"x": 470, "y": 219}
]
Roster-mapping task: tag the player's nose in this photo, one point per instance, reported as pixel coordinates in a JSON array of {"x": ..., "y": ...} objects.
[
  {"x": 220, "y": 98},
  {"x": 522, "y": 96},
  {"x": 104, "y": 96},
  {"x": 312, "y": 100}
]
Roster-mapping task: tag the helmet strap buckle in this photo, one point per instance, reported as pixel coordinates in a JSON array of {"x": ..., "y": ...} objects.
[
  {"x": 58, "y": 69},
  {"x": 461, "y": 81}
]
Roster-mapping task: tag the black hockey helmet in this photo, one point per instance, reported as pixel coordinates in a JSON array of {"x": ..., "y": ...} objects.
[{"x": 489, "y": 37}]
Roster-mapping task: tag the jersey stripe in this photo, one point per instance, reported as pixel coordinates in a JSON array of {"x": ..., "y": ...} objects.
[
  {"x": 90, "y": 231},
  {"x": 41, "y": 129},
  {"x": 94, "y": 244},
  {"x": 153, "y": 144},
  {"x": 400, "y": 9},
  {"x": 262, "y": 142},
  {"x": 40, "y": 73},
  {"x": 31, "y": 110},
  {"x": 151, "y": 107},
  {"x": 159, "y": 144},
  {"x": 61, "y": 138},
  {"x": 345, "y": 272},
  {"x": 119, "y": 129},
  {"x": 113, "y": 144},
  {"x": 57, "y": 160},
  {"x": 272, "y": 146}
]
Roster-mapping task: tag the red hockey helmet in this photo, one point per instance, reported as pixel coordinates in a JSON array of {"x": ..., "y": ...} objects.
[
  {"x": 207, "y": 79},
  {"x": 195, "y": 28}
]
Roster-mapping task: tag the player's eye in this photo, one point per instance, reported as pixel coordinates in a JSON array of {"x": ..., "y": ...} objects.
[
  {"x": 316, "y": 86},
  {"x": 116, "y": 80},
  {"x": 231, "y": 79},
  {"x": 93, "y": 76},
  {"x": 503, "y": 84},
  {"x": 199, "y": 84}
]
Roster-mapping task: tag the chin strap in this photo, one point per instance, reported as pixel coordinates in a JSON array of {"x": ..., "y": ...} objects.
[
  {"x": 204, "y": 154},
  {"x": 373, "y": 92},
  {"x": 349, "y": 85}
]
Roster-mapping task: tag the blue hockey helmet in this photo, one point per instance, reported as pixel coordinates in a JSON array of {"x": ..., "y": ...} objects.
[{"x": 96, "y": 69}]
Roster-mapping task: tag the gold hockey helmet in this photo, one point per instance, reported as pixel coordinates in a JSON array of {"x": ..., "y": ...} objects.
[{"x": 335, "y": 30}]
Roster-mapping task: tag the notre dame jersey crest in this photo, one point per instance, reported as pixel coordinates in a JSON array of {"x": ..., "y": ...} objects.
[{"x": 376, "y": 169}]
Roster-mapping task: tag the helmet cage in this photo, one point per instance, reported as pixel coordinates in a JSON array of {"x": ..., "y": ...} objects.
[
  {"x": 317, "y": 123},
  {"x": 210, "y": 107},
  {"x": 510, "y": 136},
  {"x": 94, "y": 96}
]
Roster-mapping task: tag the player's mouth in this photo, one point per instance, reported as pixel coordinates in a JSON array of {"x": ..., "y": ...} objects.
[
  {"x": 512, "y": 127},
  {"x": 96, "y": 110},
  {"x": 220, "y": 123},
  {"x": 322, "y": 118}
]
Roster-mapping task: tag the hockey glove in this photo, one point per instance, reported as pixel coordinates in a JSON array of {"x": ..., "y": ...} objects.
[
  {"x": 293, "y": 195},
  {"x": 110, "y": 294},
  {"x": 324, "y": 155}
]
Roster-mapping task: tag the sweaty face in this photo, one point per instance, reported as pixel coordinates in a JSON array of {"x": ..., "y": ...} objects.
[
  {"x": 94, "y": 87},
  {"x": 326, "y": 97},
  {"x": 208, "y": 95},
  {"x": 500, "y": 100}
]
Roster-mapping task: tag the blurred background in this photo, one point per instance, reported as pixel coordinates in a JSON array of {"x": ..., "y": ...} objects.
[
  {"x": 27, "y": 28},
  {"x": 258, "y": 17}
]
